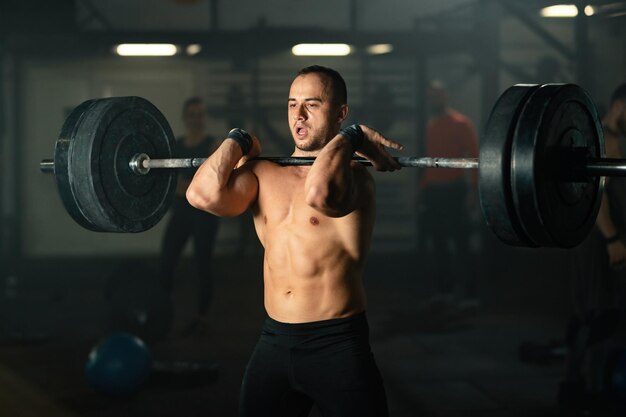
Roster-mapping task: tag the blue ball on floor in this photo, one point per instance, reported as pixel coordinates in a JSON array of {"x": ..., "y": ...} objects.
[{"x": 118, "y": 365}]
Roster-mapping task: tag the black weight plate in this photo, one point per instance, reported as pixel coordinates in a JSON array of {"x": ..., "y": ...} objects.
[
  {"x": 494, "y": 170},
  {"x": 62, "y": 169},
  {"x": 555, "y": 212},
  {"x": 99, "y": 145}
]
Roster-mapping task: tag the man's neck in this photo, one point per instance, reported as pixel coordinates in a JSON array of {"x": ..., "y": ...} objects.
[{"x": 299, "y": 152}]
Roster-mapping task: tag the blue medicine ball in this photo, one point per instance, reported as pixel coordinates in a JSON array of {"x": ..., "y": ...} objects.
[{"x": 118, "y": 365}]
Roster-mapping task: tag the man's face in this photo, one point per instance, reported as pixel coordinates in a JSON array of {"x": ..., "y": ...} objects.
[
  {"x": 194, "y": 118},
  {"x": 313, "y": 117}
]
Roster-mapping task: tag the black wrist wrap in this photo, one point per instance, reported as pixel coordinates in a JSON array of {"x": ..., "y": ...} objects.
[
  {"x": 242, "y": 138},
  {"x": 354, "y": 134}
]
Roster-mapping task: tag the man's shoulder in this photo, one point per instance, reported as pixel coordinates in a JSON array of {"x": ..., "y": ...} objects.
[
  {"x": 451, "y": 116},
  {"x": 458, "y": 117}
]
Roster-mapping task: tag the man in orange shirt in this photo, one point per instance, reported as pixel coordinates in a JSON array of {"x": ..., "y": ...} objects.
[
  {"x": 186, "y": 222},
  {"x": 448, "y": 195}
]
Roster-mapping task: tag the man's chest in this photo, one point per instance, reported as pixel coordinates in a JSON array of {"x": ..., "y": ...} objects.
[
  {"x": 281, "y": 203},
  {"x": 284, "y": 203}
]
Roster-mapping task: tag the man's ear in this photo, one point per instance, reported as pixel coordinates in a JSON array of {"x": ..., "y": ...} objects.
[{"x": 343, "y": 113}]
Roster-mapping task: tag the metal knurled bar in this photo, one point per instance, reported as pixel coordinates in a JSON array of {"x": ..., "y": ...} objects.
[
  {"x": 593, "y": 167},
  {"x": 292, "y": 160}
]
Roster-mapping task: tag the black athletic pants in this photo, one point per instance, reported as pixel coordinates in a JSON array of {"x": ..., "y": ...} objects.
[{"x": 328, "y": 363}]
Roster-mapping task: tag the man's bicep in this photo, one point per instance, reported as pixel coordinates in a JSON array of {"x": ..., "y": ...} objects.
[{"x": 241, "y": 192}]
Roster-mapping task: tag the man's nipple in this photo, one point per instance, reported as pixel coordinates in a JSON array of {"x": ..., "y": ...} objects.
[{"x": 314, "y": 221}]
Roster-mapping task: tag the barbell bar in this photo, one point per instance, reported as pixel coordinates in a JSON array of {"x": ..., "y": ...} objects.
[
  {"x": 540, "y": 168},
  {"x": 141, "y": 164}
]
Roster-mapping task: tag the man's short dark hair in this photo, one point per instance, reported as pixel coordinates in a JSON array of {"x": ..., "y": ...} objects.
[
  {"x": 619, "y": 94},
  {"x": 340, "y": 92},
  {"x": 192, "y": 101}
]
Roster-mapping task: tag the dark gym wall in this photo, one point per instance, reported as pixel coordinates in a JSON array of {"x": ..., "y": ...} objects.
[{"x": 8, "y": 151}]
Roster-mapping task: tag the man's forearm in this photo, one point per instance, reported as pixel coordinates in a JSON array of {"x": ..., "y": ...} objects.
[
  {"x": 214, "y": 174},
  {"x": 329, "y": 186},
  {"x": 219, "y": 166}
]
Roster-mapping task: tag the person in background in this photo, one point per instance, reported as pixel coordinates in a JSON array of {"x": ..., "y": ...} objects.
[
  {"x": 187, "y": 222},
  {"x": 447, "y": 198}
]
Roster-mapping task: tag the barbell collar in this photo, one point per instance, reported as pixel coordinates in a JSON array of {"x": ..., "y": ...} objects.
[{"x": 47, "y": 166}]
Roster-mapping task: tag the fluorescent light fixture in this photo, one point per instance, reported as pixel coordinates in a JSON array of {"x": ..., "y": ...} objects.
[
  {"x": 146, "y": 49},
  {"x": 560, "y": 10},
  {"x": 565, "y": 10},
  {"x": 193, "y": 49},
  {"x": 380, "y": 49},
  {"x": 321, "y": 49}
]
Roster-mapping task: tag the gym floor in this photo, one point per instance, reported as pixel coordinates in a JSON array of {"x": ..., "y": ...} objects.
[{"x": 433, "y": 364}]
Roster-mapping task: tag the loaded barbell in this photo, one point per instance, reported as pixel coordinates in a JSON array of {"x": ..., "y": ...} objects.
[{"x": 540, "y": 166}]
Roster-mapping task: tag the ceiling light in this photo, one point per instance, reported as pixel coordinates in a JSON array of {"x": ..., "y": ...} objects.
[
  {"x": 194, "y": 49},
  {"x": 321, "y": 49},
  {"x": 380, "y": 49},
  {"x": 560, "y": 10},
  {"x": 566, "y": 10},
  {"x": 146, "y": 49}
]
